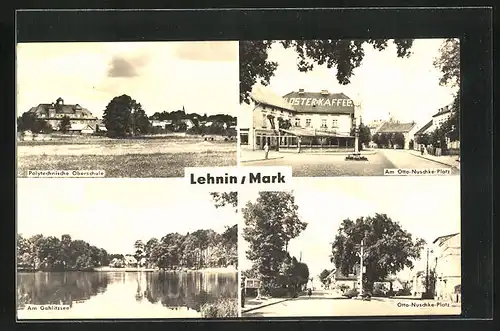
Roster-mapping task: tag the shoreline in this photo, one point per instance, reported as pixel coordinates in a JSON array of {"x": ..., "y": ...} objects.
[{"x": 109, "y": 269}]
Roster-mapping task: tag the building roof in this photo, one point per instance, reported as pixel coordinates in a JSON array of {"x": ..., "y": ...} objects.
[
  {"x": 337, "y": 273},
  {"x": 318, "y": 102},
  {"x": 442, "y": 111},
  {"x": 441, "y": 240},
  {"x": 130, "y": 259},
  {"x": 43, "y": 108},
  {"x": 393, "y": 127},
  {"x": 263, "y": 95},
  {"x": 424, "y": 128}
]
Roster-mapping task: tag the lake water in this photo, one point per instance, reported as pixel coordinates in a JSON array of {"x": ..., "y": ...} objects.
[{"x": 121, "y": 294}]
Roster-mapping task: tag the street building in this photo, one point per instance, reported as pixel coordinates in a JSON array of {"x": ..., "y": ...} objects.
[
  {"x": 53, "y": 113},
  {"x": 443, "y": 114},
  {"x": 393, "y": 127},
  {"x": 337, "y": 280},
  {"x": 299, "y": 120},
  {"x": 448, "y": 267}
]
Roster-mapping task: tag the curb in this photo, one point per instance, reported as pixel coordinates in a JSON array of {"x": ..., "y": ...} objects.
[
  {"x": 331, "y": 153},
  {"x": 426, "y": 158},
  {"x": 269, "y": 158},
  {"x": 265, "y": 305}
]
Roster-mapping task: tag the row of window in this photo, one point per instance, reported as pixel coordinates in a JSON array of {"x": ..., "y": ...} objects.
[
  {"x": 62, "y": 115},
  {"x": 324, "y": 123}
]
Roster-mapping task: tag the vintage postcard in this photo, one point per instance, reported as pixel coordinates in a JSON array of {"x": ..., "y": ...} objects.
[
  {"x": 350, "y": 247},
  {"x": 332, "y": 108},
  {"x": 107, "y": 249},
  {"x": 136, "y": 109}
]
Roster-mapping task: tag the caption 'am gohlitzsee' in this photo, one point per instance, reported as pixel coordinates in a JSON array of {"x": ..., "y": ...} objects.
[{"x": 253, "y": 178}]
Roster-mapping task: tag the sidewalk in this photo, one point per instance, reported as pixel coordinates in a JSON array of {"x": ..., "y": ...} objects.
[
  {"x": 258, "y": 155},
  {"x": 253, "y": 304},
  {"x": 449, "y": 160}
]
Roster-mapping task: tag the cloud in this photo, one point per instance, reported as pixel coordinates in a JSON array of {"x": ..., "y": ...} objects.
[
  {"x": 207, "y": 51},
  {"x": 121, "y": 66}
]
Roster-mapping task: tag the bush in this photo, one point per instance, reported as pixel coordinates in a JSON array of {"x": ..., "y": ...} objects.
[
  {"x": 378, "y": 292},
  {"x": 351, "y": 293},
  {"x": 222, "y": 308},
  {"x": 405, "y": 292},
  {"x": 279, "y": 292}
]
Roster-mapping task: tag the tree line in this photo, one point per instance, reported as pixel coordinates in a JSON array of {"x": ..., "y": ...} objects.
[
  {"x": 196, "y": 250},
  {"x": 200, "y": 249},
  {"x": 271, "y": 222},
  {"x": 388, "y": 140},
  {"x": 53, "y": 254}
]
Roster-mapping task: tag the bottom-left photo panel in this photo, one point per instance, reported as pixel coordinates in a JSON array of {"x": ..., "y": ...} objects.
[{"x": 125, "y": 249}]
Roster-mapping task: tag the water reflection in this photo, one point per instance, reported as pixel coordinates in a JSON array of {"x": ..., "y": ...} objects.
[
  {"x": 171, "y": 290},
  {"x": 60, "y": 288}
]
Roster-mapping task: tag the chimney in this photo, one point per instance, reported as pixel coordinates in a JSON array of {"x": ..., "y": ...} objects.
[
  {"x": 324, "y": 92},
  {"x": 301, "y": 91}
]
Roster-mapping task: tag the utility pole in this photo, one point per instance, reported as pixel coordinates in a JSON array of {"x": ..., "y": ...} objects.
[
  {"x": 361, "y": 268},
  {"x": 427, "y": 274}
]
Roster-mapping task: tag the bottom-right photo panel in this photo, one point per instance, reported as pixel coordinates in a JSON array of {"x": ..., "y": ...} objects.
[{"x": 377, "y": 246}]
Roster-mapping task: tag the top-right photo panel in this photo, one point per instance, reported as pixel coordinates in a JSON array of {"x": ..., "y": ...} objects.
[{"x": 331, "y": 108}]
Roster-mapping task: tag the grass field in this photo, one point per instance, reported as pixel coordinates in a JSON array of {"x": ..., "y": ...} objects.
[{"x": 158, "y": 157}]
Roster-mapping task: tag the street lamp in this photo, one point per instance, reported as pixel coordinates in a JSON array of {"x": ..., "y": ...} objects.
[
  {"x": 427, "y": 294},
  {"x": 356, "y": 156},
  {"x": 360, "y": 255}
]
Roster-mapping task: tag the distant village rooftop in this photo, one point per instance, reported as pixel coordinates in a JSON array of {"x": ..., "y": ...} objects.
[{"x": 393, "y": 127}]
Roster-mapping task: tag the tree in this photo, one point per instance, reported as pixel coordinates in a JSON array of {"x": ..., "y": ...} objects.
[
  {"x": 388, "y": 248},
  {"x": 123, "y": 115},
  {"x": 448, "y": 62},
  {"x": 270, "y": 223},
  {"x": 65, "y": 124},
  {"x": 141, "y": 124},
  {"x": 376, "y": 139},
  {"x": 398, "y": 139},
  {"x": 383, "y": 140},
  {"x": 364, "y": 135},
  {"x": 423, "y": 139},
  {"x": 29, "y": 121},
  {"x": 225, "y": 198},
  {"x": 139, "y": 250},
  {"x": 284, "y": 124},
  {"x": 344, "y": 55}
]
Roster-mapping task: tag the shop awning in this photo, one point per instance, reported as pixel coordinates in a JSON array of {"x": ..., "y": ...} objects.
[{"x": 300, "y": 132}]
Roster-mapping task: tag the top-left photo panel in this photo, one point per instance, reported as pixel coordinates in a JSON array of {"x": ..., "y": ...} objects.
[{"x": 134, "y": 109}]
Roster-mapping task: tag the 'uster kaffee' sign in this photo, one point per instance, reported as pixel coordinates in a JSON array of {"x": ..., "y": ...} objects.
[{"x": 332, "y": 102}]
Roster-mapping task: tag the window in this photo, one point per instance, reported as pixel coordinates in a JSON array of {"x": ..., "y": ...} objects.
[
  {"x": 308, "y": 122},
  {"x": 264, "y": 121},
  {"x": 323, "y": 123},
  {"x": 297, "y": 122},
  {"x": 244, "y": 138},
  {"x": 335, "y": 124}
]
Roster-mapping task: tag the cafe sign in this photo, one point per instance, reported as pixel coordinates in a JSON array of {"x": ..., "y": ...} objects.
[{"x": 330, "y": 102}]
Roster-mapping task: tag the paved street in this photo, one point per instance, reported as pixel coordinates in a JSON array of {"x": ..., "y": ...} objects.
[
  {"x": 320, "y": 305},
  {"x": 331, "y": 165}
]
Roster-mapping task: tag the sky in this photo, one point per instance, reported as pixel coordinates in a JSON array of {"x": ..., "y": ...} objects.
[
  {"x": 201, "y": 76},
  {"x": 114, "y": 213},
  {"x": 406, "y": 88},
  {"x": 427, "y": 207}
]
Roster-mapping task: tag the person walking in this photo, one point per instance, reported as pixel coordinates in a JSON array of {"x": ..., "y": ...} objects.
[
  {"x": 266, "y": 151},
  {"x": 421, "y": 149}
]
